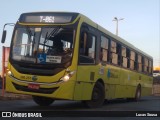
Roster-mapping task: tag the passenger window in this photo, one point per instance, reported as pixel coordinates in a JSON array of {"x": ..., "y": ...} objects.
[
  {"x": 150, "y": 67},
  {"x": 104, "y": 49},
  {"x": 136, "y": 62},
  {"x": 139, "y": 63},
  {"x": 123, "y": 51},
  {"x": 119, "y": 54},
  {"x": 142, "y": 64},
  {"x": 124, "y": 59},
  {"x": 114, "y": 56},
  {"x": 146, "y": 64},
  {"x": 132, "y": 60},
  {"x": 128, "y": 58},
  {"x": 113, "y": 46}
]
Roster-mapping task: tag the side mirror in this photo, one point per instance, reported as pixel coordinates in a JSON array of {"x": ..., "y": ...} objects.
[
  {"x": 5, "y": 32},
  {"x": 3, "y": 36}
]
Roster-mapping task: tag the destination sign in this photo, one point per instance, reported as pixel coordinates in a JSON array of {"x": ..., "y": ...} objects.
[{"x": 47, "y": 17}]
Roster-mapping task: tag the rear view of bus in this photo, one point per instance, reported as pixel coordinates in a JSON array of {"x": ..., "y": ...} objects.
[{"x": 41, "y": 57}]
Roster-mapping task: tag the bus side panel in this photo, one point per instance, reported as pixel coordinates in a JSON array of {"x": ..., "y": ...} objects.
[
  {"x": 128, "y": 84},
  {"x": 131, "y": 83},
  {"x": 146, "y": 91},
  {"x": 85, "y": 82},
  {"x": 113, "y": 74},
  {"x": 147, "y": 83},
  {"x": 121, "y": 89},
  {"x": 66, "y": 90},
  {"x": 83, "y": 91},
  {"x": 110, "y": 91}
]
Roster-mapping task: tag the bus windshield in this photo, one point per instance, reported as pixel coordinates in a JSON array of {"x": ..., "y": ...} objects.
[{"x": 42, "y": 45}]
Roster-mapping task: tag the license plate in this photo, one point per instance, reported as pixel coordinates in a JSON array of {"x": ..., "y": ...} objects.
[{"x": 33, "y": 86}]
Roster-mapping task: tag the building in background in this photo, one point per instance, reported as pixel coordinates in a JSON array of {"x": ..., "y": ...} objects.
[{"x": 156, "y": 71}]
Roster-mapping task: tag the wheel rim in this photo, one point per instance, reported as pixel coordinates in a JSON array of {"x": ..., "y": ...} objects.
[
  {"x": 138, "y": 94},
  {"x": 96, "y": 95}
]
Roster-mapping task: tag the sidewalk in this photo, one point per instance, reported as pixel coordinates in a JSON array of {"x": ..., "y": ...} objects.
[{"x": 12, "y": 96}]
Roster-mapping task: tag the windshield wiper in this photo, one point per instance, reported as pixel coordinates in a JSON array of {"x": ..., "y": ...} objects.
[
  {"x": 33, "y": 42},
  {"x": 53, "y": 32},
  {"x": 29, "y": 33},
  {"x": 30, "y": 40},
  {"x": 45, "y": 40}
]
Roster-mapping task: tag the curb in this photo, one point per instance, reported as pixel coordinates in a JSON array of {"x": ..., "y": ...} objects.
[{"x": 12, "y": 96}]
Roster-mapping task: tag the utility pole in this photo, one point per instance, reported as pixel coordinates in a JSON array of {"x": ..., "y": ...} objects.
[{"x": 117, "y": 20}]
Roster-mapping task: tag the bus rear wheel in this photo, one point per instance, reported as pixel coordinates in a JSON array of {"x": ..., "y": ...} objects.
[
  {"x": 138, "y": 94},
  {"x": 98, "y": 96},
  {"x": 42, "y": 101}
]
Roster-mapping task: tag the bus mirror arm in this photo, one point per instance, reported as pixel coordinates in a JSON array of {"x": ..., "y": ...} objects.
[
  {"x": 3, "y": 36},
  {"x": 5, "y": 32}
]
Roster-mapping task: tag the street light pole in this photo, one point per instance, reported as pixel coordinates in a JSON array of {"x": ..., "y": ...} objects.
[{"x": 117, "y": 20}]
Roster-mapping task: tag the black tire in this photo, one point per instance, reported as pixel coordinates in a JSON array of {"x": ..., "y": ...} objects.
[
  {"x": 138, "y": 94},
  {"x": 98, "y": 96},
  {"x": 42, "y": 101}
]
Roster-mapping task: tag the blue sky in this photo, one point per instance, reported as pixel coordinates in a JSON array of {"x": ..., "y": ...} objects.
[{"x": 140, "y": 27}]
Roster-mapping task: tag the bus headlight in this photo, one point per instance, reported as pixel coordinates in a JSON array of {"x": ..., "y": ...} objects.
[
  {"x": 10, "y": 73},
  {"x": 68, "y": 76}
]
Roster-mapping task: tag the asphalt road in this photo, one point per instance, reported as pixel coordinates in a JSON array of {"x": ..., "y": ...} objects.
[{"x": 150, "y": 103}]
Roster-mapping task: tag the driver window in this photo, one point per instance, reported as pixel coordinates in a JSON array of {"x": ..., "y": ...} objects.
[
  {"x": 83, "y": 44},
  {"x": 87, "y": 48}
]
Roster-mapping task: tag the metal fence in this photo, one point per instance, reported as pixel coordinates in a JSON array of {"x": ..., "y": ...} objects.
[{"x": 156, "y": 86}]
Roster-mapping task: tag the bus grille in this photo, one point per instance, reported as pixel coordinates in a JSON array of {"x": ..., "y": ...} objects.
[{"x": 40, "y": 90}]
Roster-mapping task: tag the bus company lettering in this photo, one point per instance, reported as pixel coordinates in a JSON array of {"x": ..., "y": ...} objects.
[{"x": 113, "y": 73}]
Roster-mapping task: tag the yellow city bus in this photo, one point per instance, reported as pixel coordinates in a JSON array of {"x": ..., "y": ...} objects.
[{"x": 65, "y": 55}]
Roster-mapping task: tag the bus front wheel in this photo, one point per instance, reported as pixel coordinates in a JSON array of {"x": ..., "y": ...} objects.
[
  {"x": 42, "y": 101},
  {"x": 98, "y": 96}
]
